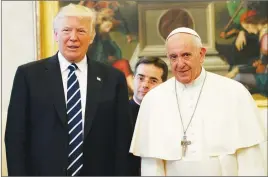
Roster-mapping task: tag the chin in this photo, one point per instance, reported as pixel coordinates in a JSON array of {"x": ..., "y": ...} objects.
[
  {"x": 74, "y": 57},
  {"x": 184, "y": 81},
  {"x": 140, "y": 98}
]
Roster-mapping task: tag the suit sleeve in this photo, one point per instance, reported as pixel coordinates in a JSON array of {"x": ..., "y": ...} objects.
[
  {"x": 123, "y": 129},
  {"x": 15, "y": 134}
]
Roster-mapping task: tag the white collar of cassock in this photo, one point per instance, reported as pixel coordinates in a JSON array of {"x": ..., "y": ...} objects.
[
  {"x": 196, "y": 83},
  {"x": 136, "y": 101}
]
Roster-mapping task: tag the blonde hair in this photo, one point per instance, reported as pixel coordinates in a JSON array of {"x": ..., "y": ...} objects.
[{"x": 76, "y": 10}]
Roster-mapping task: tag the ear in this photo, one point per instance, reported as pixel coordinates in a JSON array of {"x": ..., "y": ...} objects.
[
  {"x": 203, "y": 52},
  {"x": 56, "y": 35}
]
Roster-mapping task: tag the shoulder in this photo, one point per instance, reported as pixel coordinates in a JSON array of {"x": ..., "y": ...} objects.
[
  {"x": 132, "y": 102},
  {"x": 109, "y": 74},
  {"x": 38, "y": 64},
  {"x": 107, "y": 69},
  {"x": 223, "y": 81},
  {"x": 226, "y": 86}
]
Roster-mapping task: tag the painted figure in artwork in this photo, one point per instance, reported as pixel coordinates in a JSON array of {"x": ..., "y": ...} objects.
[
  {"x": 256, "y": 76},
  {"x": 245, "y": 45},
  {"x": 105, "y": 49}
]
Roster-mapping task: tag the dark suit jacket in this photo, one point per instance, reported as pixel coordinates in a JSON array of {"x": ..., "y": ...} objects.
[
  {"x": 134, "y": 107},
  {"x": 135, "y": 161},
  {"x": 36, "y": 132}
]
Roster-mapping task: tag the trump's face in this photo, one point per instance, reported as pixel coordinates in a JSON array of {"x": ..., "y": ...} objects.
[
  {"x": 185, "y": 57},
  {"x": 74, "y": 35}
]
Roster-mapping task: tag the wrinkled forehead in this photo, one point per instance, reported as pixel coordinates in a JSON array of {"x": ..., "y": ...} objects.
[{"x": 181, "y": 43}]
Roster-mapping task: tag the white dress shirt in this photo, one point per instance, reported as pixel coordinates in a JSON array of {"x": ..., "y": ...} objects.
[{"x": 81, "y": 74}]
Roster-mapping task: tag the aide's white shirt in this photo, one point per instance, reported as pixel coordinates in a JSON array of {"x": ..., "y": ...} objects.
[{"x": 81, "y": 74}]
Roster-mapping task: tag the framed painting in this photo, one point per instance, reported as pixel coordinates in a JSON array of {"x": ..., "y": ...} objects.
[
  {"x": 159, "y": 19},
  {"x": 46, "y": 11},
  {"x": 140, "y": 28}
]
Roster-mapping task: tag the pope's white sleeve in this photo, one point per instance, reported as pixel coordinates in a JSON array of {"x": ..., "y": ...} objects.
[
  {"x": 228, "y": 165},
  {"x": 152, "y": 167},
  {"x": 250, "y": 162}
]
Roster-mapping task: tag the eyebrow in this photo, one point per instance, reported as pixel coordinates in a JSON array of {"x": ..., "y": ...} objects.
[
  {"x": 149, "y": 77},
  {"x": 190, "y": 53},
  {"x": 172, "y": 54}
]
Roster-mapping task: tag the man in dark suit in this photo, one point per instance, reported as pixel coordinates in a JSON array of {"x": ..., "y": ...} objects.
[
  {"x": 149, "y": 73},
  {"x": 69, "y": 115}
]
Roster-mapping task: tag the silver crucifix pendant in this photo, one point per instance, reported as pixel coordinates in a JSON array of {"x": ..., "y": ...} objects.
[{"x": 184, "y": 144}]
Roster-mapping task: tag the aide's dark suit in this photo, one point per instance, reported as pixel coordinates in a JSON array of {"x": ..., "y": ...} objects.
[{"x": 36, "y": 131}]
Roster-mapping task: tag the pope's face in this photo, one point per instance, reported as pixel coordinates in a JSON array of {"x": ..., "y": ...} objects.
[{"x": 185, "y": 57}]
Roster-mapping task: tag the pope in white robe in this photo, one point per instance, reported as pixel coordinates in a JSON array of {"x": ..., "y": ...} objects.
[{"x": 223, "y": 121}]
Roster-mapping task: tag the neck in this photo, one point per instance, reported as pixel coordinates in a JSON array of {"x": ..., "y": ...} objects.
[{"x": 198, "y": 73}]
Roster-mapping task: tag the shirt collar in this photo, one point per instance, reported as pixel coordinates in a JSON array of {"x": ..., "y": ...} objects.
[
  {"x": 136, "y": 101},
  {"x": 64, "y": 63}
]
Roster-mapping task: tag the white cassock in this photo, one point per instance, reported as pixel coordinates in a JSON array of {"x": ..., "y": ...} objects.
[{"x": 225, "y": 132}]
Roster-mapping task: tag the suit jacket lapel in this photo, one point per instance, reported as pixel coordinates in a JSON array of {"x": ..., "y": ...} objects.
[
  {"x": 55, "y": 87},
  {"x": 94, "y": 84}
]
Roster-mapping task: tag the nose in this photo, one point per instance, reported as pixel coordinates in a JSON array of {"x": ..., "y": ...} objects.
[
  {"x": 180, "y": 63},
  {"x": 145, "y": 84},
  {"x": 73, "y": 36}
]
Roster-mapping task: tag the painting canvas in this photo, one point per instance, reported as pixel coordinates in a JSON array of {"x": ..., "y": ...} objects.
[{"x": 232, "y": 31}]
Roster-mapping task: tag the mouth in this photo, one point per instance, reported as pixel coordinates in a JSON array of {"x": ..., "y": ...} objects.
[
  {"x": 73, "y": 47},
  {"x": 142, "y": 92},
  {"x": 184, "y": 71}
]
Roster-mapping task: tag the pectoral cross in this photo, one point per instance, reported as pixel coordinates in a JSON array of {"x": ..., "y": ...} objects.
[{"x": 184, "y": 144}]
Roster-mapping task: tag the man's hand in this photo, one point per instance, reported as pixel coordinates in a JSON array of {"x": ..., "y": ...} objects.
[
  {"x": 233, "y": 73},
  {"x": 240, "y": 40},
  {"x": 260, "y": 68},
  {"x": 129, "y": 38}
]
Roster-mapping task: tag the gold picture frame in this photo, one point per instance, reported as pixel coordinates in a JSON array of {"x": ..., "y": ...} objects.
[{"x": 46, "y": 45}]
